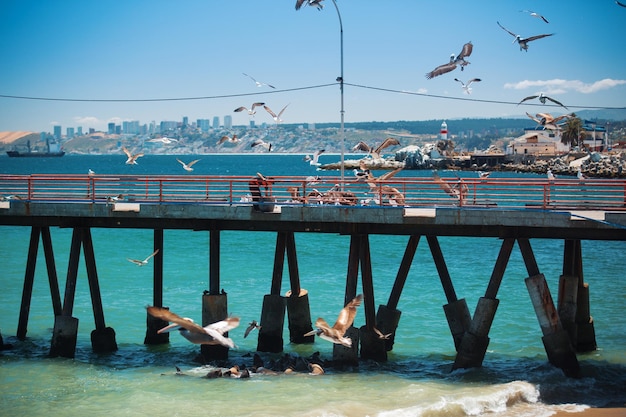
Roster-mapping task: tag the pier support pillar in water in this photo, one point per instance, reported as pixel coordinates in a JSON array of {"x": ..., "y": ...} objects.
[
  {"x": 372, "y": 346},
  {"x": 272, "y": 322},
  {"x": 153, "y": 324},
  {"x": 348, "y": 355},
  {"x": 299, "y": 317},
  {"x": 473, "y": 347},
  {"x": 64, "y": 337},
  {"x": 555, "y": 339},
  {"x": 459, "y": 320},
  {"x": 214, "y": 309}
]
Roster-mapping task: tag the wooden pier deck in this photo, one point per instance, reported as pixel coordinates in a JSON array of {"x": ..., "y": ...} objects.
[{"x": 513, "y": 210}]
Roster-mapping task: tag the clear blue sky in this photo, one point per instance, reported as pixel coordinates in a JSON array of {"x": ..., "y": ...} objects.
[{"x": 199, "y": 48}]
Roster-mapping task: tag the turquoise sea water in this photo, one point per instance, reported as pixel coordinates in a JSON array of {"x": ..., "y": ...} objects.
[{"x": 515, "y": 380}]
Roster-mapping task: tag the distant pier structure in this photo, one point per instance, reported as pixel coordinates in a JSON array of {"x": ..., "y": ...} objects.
[{"x": 566, "y": 326}]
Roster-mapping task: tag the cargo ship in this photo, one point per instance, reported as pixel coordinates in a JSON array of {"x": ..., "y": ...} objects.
[{"x": 54, "y": 149}]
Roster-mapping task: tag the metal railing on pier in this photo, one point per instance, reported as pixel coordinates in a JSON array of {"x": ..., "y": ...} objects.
[{"x": 572, "y": 194}]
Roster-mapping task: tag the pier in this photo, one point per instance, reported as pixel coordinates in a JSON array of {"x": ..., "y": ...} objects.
[{"x": 513, "y": 210}]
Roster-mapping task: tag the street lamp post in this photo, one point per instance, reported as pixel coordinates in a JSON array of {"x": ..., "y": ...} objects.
[{"x": 340, "y": 79}]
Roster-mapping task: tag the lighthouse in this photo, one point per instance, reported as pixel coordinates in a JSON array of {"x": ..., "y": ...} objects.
[{"x": 443, "y": 133}]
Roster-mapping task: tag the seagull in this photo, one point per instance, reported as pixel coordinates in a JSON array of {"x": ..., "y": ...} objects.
[
  {"x": 250, "y": 111},
  {"x": 251, "y": 326},
  {"x": 580, "y": 175},
  {"x": 375, "y": 152},
  {"x": 114, "y": 198},
  {"x": 523, "y": 42},
  {"x": 258, "y": 83},
  {"x": 132, "y": 159},
  {"x": 381, "y": 335},
  {"x": 316, "y": 3},
  {"x": 187, "y": 167},
  {"x": 277, "y": 119},
  {"x": 228, "y": 139},
  {"x": 145, "y": 261},
  {"x": 483, "y": 174},
  {"x": 454, "y": 61},
  {"x": 550, "y": 175},
  {"x": 313, "y": 160},
  {"x": 262, "y": 143},
  {"x": 208, "y": 335},
  {"x": 542, "y": 98},
  {"x": 466, "y": 87},
  {"x": 91, "y": 172},
  {"x": 620, "y": 4},
  {"x": 336, "y": 333},
  {"x": 534, "y": 14}
]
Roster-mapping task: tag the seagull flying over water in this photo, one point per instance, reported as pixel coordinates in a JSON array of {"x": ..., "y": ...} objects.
[
  {"x": 542, "y": 98},
  {"x": 213, "y": 334},
  {"x": 251, "y": 326},
  {"x": 454, "y": 61},
  {"x": 262, "y": 143},
  {"x": 258, "y": 83},
  {"x": 250, "y": 111},
  {"x": 336, "y": 333},
  {"x": 523, "y": 42},
  {"x": 187, "y": 167},
  {"x": 132, "y": 159},
  {"x": 466, "y": 87},
  {"x": 535, "y": 14},
  {"x": 620, "y": 4},
  {"x": 313, "y": 159},
  {"x": 164, "y": 140},
  {"x": 145, "y": 261},
  {"x": 276, "y": 118},
  {"x": 226, "y": 138}
]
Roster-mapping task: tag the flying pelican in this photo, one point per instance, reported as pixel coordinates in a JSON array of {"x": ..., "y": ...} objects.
[
  {"x": 132, "y": 159},
  {"x": 454, "y": 61},
  {"x": 251, "y": 326},
  {"x": 213, "y": 334},
  {"x": 547, "y": 120},
  {"x": 620, "y": 4},
  {"x": 542, "y": 98},
  {"x": 466, "y": 87},
  {"x": 458, "y": 190},
  {"x": 336, "y": 333},
  {"x": 145, "y": 261},
  {"x": 277, "y": 119},
  {"x": 228, "y": 139},
  {"x": 250, "y": 111},
  {"x": 316, "y": 3},
  {"x": 383, "y": 191},
  {"x": 523, "y": 42},
  {"x": 262, "y": 143},
  {"x": 258, "y": 83},
  {"x": 187, "y": 167},
  {"x": 375, "y": 152},
  {"x": 535, "y": 14},
  {"x": 313, "y": 160}
]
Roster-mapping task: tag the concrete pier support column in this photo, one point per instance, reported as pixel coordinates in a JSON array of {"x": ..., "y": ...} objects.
[
  {"x": 567, "y": 305},
  {"x": 459, "y": 320},
  {"x": 214, "y": 309},
  {"x": 272, "y": 323},
  {"x": 299, "y": 317},
  {"x": 387, "y": 320},
  {"x": 585, "y": 332},
  {"x": 64, "y": 336},
  {"x": 372, "y": 346},
  {"x": 473, "y": 347},
  {"x": 555, "y": 339},
  {"x": 153, "y": 324},
  {"x": 348, "y": 355},
  {"x": 29, "y": 278}
]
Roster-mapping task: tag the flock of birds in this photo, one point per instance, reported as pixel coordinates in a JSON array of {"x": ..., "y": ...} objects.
[{"x": 215, "y": 333}]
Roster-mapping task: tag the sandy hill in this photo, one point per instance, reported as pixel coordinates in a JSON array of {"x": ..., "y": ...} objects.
[{"x": 10, "y": 137}]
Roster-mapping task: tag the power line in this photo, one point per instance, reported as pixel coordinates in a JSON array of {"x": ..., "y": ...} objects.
[{"x": 387, "y": 90}]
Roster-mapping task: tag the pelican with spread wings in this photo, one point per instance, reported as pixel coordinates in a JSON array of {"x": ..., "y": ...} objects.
[
  {"x": 213, "y": 334},
  {"x": 454, "y": 62},
  {"x": 375, "y": 152},
  {"x": 523, "y": 42},
  {"x": 336, "y": 334}
]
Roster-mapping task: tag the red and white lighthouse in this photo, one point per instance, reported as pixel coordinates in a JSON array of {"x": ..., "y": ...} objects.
[{"x": 443, "y": 133}]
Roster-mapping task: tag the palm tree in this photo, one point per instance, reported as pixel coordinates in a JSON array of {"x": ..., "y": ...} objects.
[{"x": 573, "y": 130}]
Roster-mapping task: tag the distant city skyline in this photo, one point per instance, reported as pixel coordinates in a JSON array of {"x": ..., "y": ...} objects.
[{"x": 76, "y": 63}]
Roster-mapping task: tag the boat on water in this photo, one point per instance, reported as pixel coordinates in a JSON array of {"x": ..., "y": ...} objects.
[{"x": 54, "y": 150}]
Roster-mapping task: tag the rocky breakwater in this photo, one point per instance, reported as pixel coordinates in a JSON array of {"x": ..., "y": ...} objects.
[{"x": 593, "y": 165}]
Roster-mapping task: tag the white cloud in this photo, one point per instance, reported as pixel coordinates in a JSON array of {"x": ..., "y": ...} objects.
[
  {"x": 558, "y": 86},
  {"x": 87, "y": 120}
]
